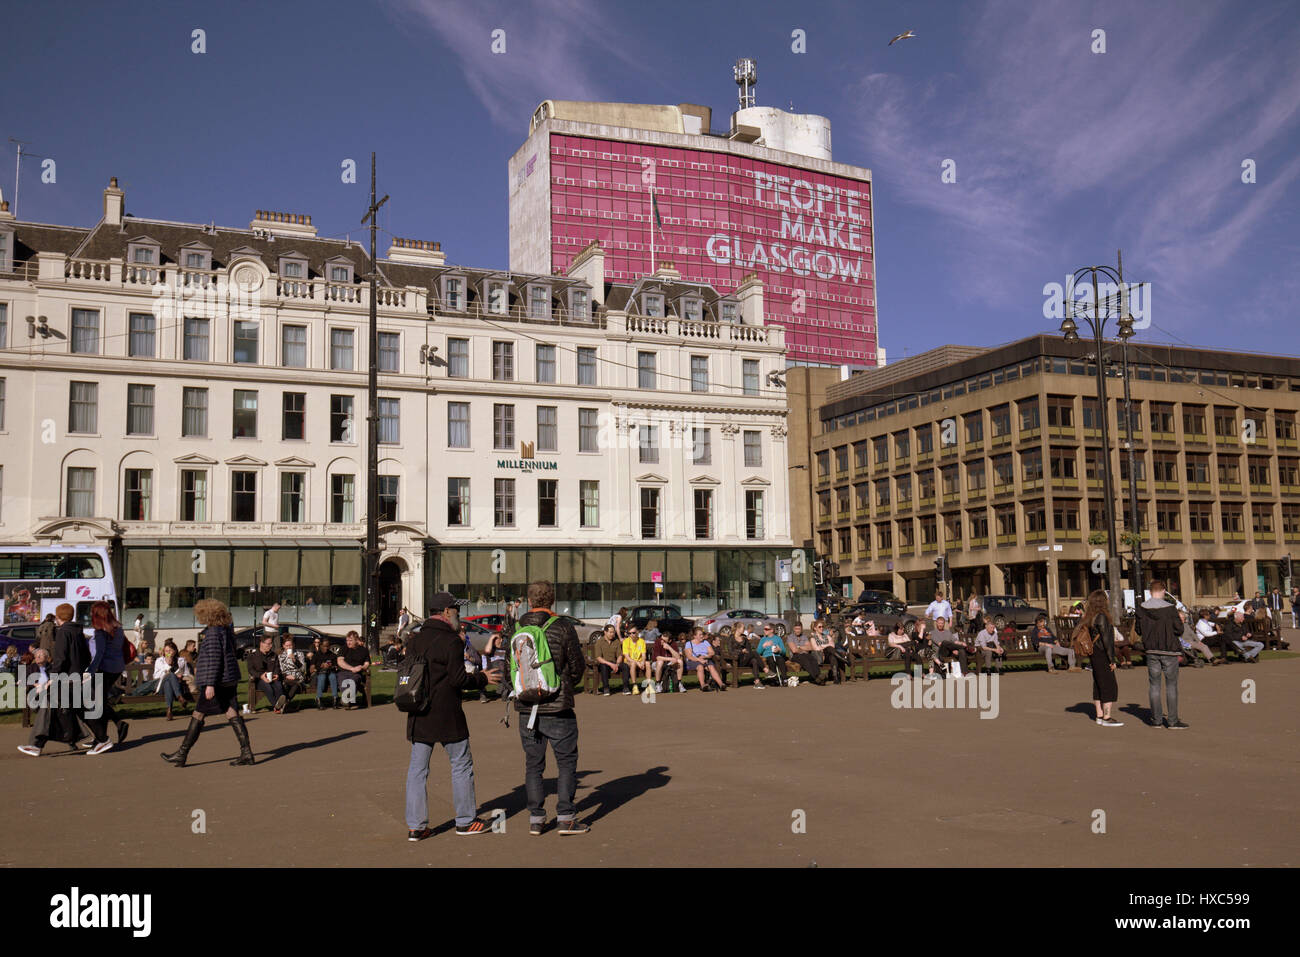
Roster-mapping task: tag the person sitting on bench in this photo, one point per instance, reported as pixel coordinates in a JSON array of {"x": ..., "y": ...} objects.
[
  {"x": 354, "y": 665},
  {"x": 635, "y": 657},
  {"x": 293, "y": 666},
  {"x": 741, "y": 647},
  {"x": 947, "y": 644},
  {"x": 325, "y": 669},
  {"x": 1190, "y": 640},
  {"x": 1042, "y": 639},
  {"x": 802, "y": 653},
  {"x": 609, "y": 659},
  {"x": 772, "y": 649},
  {"x": 990, "y": 648},
  {"x": 664, "y": 653},
  {"x": 700, "y": 657},
  {"x": 1239, "y": 632},
  {"x": 904, "y": 647},
  {"x": 264, "y": 668}
]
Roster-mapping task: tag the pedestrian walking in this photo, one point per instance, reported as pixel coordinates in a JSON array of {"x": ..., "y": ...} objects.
[
  {"x": 217, "y": 672},
  {"x": 107, "y": 662},
  {"x": 438, "y": 643},
  {"x": 1158, "y": 624},
  {"x": 271, "y": 625}
]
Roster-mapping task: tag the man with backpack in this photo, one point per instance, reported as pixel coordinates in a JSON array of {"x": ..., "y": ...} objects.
[
  {"x": 546, "y": 662},
  {"x": 429, "y": 682}
]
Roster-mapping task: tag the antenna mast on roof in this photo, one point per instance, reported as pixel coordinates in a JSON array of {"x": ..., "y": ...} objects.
[
  {"x": 18, "y": 166},
  {"x": 745, "y": 73}
]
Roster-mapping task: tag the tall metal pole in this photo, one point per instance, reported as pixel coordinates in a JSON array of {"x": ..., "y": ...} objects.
[
  {"x": 1135, "y": 526},
  {"x": 1112, "y": 557},
  {"x": 372, "y": 434}
]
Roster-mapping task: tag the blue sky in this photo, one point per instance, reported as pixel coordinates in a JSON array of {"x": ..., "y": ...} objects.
[{"x": 1062, "y": 155}]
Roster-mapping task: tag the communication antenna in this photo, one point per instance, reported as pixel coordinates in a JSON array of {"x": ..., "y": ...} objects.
[
  {"x": 18, "y": 168},
  {"x": 746, "y": 74}
]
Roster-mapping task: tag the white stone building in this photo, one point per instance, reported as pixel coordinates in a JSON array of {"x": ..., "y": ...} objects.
[{"x": 195, "y": 397}]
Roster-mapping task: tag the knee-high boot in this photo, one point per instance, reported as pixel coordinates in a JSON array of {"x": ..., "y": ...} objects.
[
  {"x": 178, "y": 756},
  {"x": 245, "y": 749}
]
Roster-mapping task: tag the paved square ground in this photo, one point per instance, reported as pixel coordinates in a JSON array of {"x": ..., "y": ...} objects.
[{"x": 711, "y": 779}]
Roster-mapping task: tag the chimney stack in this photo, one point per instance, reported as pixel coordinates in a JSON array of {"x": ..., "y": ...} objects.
[
  {"x": 114, "y": 200},
  {"x": 283, "y": 224},
  {"x": 417, "y": 252}
]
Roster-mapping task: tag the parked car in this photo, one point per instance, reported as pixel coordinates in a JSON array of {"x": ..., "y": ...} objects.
[
  {"x": 21, "y": 635},
  {"x": 886, "y": 614},
  {"x": 248, "y": 639},
  {"x": 723, "y": 622},
  {"x": 669, "y": 617},
  {"x": 494, "y": 622},
  {"x": 1009, "y": 609},
  {"x": 873, "y": 596}
]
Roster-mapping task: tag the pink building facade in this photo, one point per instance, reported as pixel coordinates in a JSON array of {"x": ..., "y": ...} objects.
[{"x": 722, "y": 214}]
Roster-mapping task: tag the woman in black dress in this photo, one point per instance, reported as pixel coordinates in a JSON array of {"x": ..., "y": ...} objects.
[
  {"x": 217, "y": 674},
  {"x": 1105, "y": 689}
]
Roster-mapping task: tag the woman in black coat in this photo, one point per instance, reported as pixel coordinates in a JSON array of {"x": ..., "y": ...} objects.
[
  {"x": 217, "y": 674},
  {"x": 1105, "y": 689}
]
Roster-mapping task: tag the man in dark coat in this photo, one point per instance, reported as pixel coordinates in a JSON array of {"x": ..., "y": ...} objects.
[
  {"x": 264, "y": 667},
  {"x": 438, "y": 642},
  {"x": 71, "y": 659},
  {"x": 1158, "y": 623},
  {"x": 555, "y": 721}
]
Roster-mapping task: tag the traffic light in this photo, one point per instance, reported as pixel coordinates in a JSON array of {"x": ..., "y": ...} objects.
[
  {"x": 819, "y": 572},
  {"x": 1286, "y": 566},
  {"x": 941, "y": 568}
]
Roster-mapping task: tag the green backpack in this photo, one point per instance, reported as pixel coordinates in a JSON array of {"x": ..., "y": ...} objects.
[{"x": 532, "y": 669}]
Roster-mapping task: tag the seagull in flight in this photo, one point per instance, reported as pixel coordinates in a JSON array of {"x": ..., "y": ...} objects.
[{"x": 909, "y": 35}]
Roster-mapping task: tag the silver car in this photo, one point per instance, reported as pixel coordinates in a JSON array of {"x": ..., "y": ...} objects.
[{"x": 724, "y": 622}]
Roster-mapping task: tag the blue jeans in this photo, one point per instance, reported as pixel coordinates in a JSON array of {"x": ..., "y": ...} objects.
[
  {"x": 171, "y": 689},
  {"x": 1165, "y": 666},
  {"x": 270, "y": 691},
  {"x": 562, "y": 733},
  {"x": 333, "y": 679},
  {"x": 1249, "y": 649},
  {"x": 462, "y": 783}
]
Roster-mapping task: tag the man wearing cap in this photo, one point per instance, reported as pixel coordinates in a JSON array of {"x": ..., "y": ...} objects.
[{"x": 438, "y": 642}]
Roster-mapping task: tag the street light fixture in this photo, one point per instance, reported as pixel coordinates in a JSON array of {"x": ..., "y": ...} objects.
[{"x": 1096, "y": 320}]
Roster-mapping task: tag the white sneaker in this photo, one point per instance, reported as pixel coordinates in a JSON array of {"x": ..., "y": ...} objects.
[
  {"x": 30, "y": 749},
  {"x": 101, "y": 748}
]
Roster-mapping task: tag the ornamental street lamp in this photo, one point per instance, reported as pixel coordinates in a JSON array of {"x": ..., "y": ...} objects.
[{"x": 1096, "y": 315}]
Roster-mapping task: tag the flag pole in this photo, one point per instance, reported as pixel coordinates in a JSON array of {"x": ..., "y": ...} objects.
[{"x": 652, "y": 229}]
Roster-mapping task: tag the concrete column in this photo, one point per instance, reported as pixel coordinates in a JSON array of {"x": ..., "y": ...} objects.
[
  {"x": 1053, "y": 586},
  {"x": 1187, "y": 583},
  {"x": 997, "y": 581}
]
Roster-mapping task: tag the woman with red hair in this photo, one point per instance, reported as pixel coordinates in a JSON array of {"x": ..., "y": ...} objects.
[{"x": 107, "y": 662}]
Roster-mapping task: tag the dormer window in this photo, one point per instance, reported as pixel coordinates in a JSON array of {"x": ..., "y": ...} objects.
[
  {"x": 339, "y": 270},
  {"x": 692, "y": 308},
  {"x": 539, "y": 302},
  {"x": 6, "y": 247},
  {"x": 293, "y": 269},
  {"x": 580, "y": 304},
  {"x": 143, "y": 251},
  {"x": 196, "y": 261},
  {"x": 498, "y": 298},
  {"x": 728, "y": 311},
  {"x": 652, "y": 304},
  {"x": 453, "y": 293}
]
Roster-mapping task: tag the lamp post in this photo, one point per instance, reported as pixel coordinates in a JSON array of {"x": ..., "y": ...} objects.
[{"x": 1097, "y": 322}]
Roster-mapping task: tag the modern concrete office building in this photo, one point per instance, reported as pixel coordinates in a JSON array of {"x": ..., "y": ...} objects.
[{"x": 992, "y": 457}]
